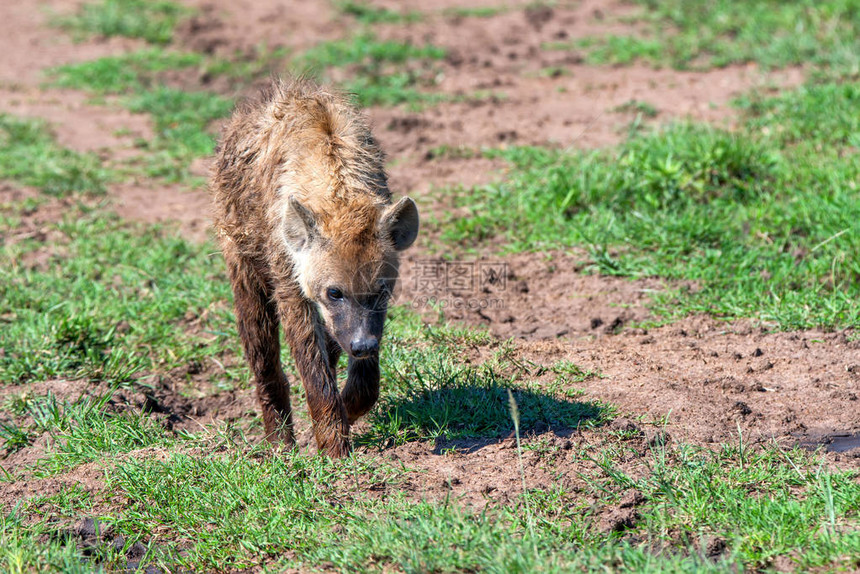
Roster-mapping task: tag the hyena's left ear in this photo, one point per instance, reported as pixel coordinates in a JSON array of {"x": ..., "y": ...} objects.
[
  {"x": 300, "y": 225},
  {"x": 400, "y": 222}
]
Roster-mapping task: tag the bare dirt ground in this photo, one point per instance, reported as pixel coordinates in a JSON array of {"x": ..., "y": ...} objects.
[{"x": 708, "y": 379}]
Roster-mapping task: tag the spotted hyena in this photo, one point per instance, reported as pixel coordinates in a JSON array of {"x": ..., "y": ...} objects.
[{"x": 311, "y": 239}]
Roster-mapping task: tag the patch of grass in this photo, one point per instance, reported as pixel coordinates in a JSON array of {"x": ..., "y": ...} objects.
[
  {"x": 380, "y": 72},
  {"x": 25, "y": 547},
  {"x": 764, "y": 220},
  {"x": 241, "y": 508},
  {"x": 243, "y": 69},
  {"x": 30, "y": 156},
  {"x": 703, "y": 34},
  {"x": 446, "y": 151},
  {"x": 615, "y": 50},
  {"x": 181, "y": 122},
  {"x": 367, "y": 14},
  {"x": 122, "y": 74},
  {"x": 439, "y": 399},
  {"x": 82, "y": 430},
  {"x": 134, "y": 289},
  {"x": 151, "y": 20},
  {"x": 92, "y": 435},
  {"x": 762, "y": 503},
  {"x": 181, "y": 118},
  {"x": 820, "y": 119},
  {"x": 477, "y": 12},
  {"x": 392, "y": 90},
  {"x": 365, "y": 49},
  {"x": 638, "y": 107}
]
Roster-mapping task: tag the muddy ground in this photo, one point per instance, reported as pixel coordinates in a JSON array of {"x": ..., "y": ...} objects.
[{"x": 702, "y": 378}]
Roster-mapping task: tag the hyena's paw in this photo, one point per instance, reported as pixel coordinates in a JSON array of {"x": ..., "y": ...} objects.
[
  {"x": 283, "y": 440},
  {"x": 339, "y": 450},
  {"x": 336, "y": 445},
  {"x": 281, "y": 436}
]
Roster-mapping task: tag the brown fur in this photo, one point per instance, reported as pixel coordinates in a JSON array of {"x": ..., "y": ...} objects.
[{"x": 301, "y": 204}]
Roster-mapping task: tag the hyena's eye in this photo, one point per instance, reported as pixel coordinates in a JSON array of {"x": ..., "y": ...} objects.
[{"x": 334, "y": 294}]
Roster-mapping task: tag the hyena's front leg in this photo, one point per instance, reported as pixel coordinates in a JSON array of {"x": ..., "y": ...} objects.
[
  {"x": 334, "y": 351},
  {"x": 257, "y": 321},
  {"x": 307, "y": 341},
  {"x": 362, "y": 387}
]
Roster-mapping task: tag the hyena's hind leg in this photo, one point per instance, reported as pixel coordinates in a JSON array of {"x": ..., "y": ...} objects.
[
  {"x": 257, "y": 320},
  {"x": 362, "y": 387}
]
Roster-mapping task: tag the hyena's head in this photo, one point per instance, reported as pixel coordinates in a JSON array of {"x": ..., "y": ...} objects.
[{"x": 346, "y": 262}]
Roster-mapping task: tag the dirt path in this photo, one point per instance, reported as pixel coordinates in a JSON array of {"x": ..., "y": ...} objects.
[{"x": 706, "y": 377}]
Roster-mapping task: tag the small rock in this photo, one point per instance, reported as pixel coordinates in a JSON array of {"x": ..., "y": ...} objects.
[
  {"x": 137, "y": 550},
  {"x": 659, "y": 438},
  {"x": 92, "y": 529},
  {"x": 450, "y": 482},
  {"x": 118, "y": 543},
  {"x": 714, "y": 546},
  {"x": 618, "y": 519},
  {"x": 741, "y": 408},
  {"x": 194, "y": 367},
  {"x": 631, "y": 499},
  {"x": 625, "y": 425},
  {"x": 614, "y": 327}
]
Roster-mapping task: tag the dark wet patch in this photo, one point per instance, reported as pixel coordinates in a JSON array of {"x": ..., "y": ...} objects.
[
  {"x": 844, "y": 443},
  {"x": 103, "y": 547},
  {"x": 836, "y": 442}
]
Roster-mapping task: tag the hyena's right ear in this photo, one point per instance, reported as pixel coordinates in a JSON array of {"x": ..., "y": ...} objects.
[{"x": 300, "y": 226}]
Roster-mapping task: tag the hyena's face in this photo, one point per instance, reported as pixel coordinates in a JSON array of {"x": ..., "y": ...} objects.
[{"x": 350, "y": 273}]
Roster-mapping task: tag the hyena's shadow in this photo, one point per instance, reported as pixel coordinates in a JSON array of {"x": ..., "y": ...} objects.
[{"x": 471, "y": 416}]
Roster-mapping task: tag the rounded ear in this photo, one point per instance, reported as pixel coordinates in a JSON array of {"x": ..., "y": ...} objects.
[
  {"x": 400, "y": 223},
  {"x": 300, "y": 226}
]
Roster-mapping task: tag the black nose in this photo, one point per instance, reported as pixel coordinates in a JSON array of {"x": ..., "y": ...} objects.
[{"x": 362, "y": 347}]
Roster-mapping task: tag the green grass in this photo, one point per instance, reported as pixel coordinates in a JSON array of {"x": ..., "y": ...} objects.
[
  {"x": 764, "y": 220},
  {"x": 367, "y": 14},
  {"x": 182, "y": 122},
  {"x": 82, "y": 430},
  {"x": 124, "y": 73},
  {"x": 479, "y": 12},
  {"x": 703, "y": 34},
  {"x": 215, "y": 500},
  {"x": 817, "y": 119},
  {"x": 200, "y": 509},
  {"x": 181, "y": 118},
  {"x": 30, "y": 156},
  {"x": 29, "y": 547},
  {"x": 133, "y": 287},
  {"x": 430, "y": 396},
  {"x": 639, "y": 107},
  {"x": 151, "y": 20},
  {"x": 383, "y": 73}
]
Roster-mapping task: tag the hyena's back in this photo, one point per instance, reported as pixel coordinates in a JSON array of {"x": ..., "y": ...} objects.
[{"x": 297, "y": 139}]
